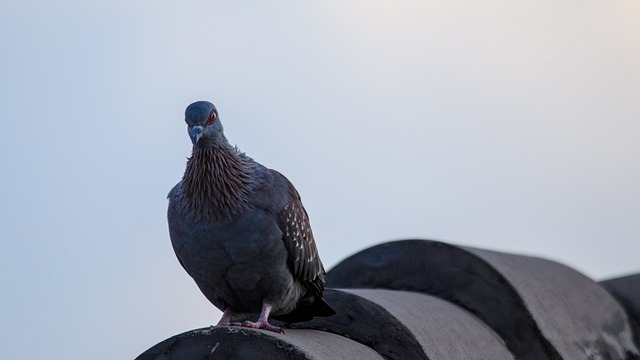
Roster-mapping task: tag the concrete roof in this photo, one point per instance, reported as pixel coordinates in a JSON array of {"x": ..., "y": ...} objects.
[{"x": 422, "y": 299}]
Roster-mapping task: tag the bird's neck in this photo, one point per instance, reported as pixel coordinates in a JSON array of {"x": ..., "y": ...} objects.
[{"x": 217, "y": 182}]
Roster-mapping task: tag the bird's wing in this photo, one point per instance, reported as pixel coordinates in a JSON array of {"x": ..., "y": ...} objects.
[
  {"x": 171, "y": 214},
  {"x": 298, "y": 239}
]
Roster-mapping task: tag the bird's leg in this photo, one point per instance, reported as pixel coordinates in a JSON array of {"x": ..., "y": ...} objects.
[
  {"x": 263, "y": 321},
  {"x": 225, "y": 320}
]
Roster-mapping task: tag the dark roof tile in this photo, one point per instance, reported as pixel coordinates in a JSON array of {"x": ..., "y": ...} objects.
[{"x": 421, "y": 299}]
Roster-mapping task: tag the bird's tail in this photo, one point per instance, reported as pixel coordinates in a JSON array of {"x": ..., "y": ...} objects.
[
  {"x": 321, "y": 308},
  {"x": 308, "y": 307}
]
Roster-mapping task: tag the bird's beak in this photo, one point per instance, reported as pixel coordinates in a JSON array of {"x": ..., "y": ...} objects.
[{"x": 195, "y": 133}]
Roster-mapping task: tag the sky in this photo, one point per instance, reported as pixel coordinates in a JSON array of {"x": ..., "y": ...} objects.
[{"x": 509, "y": 126}]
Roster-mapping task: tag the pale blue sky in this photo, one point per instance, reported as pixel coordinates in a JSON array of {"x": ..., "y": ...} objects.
[{"x": 501, "y": 125}]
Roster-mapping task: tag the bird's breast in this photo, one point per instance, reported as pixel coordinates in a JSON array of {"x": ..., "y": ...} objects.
[{"x": 252, "y": 241}]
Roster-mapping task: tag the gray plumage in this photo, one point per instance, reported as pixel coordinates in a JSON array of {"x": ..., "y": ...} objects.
[{"x": 241, "y": 232}]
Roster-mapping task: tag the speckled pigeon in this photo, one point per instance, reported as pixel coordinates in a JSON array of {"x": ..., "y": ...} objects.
[{"x": 240, "y": 231}]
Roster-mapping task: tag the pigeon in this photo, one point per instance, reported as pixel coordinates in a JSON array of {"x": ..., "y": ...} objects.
[{"x": 240, "y": 231}]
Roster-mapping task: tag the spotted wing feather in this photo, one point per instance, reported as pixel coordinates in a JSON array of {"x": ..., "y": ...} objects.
[{"x": 298, "y": 239}]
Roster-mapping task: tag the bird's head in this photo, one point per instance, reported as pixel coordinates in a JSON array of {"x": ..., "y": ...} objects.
[{"x": 203, "y": 125}]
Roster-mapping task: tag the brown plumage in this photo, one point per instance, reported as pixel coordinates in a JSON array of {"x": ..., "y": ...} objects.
[{"x": 216, "y": 184}]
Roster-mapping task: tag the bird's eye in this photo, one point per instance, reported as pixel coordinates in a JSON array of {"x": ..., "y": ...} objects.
[{"x": 212, "y": 118}]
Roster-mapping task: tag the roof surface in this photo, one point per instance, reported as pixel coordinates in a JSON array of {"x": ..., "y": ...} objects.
[{"x": 422, "y": 299}]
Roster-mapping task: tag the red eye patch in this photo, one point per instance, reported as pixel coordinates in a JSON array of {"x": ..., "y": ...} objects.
[{"x": 212, "y": 117}]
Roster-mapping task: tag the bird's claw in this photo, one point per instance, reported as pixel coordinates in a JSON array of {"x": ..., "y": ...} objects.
[{"x": 263, "y": 325}]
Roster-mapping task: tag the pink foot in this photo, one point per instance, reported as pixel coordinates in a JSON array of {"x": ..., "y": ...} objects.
[
  {"x": 263, "y": 321},
  {"x": 226, "y": 318},
  {"x": 263, "y": 324}
]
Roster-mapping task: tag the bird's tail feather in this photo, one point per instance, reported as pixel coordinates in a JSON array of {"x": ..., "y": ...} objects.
[{"x": 306, "y": 310}]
